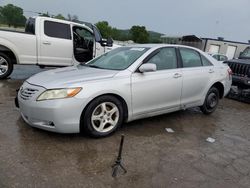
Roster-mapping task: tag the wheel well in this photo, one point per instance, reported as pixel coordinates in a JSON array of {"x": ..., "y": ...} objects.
[
  {"x": 124, "y": 104},
  {"x": 9, "y": 53},
  {"x": 220, "y": 87}
]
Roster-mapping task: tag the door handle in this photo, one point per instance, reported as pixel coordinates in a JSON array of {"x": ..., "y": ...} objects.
[
  {"x": 47, "y": 42},
  {"x": 211, "y": 71},
  {"x": 177, "y": 75}
]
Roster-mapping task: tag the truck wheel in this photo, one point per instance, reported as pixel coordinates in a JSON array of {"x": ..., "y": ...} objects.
[
  {"x": 211, "y": 101},
  {"x": 6, "y": 66},
  {"x": 102, "y": 116}
]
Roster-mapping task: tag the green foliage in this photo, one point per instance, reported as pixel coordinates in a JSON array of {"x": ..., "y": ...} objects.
[
  {"x": 1, "y": 16},
  {"x": 12, "y": 15},
  {"x": 154, "y": 37},
  {"x": 73, "y": 18},
  {"x": 45, "y": 14},
  {"x": 59, "y": 16},
  {"x": 139, "y": 34},
  {"x": 122, "y": 35},
  {"x": 105, "y": 29}
]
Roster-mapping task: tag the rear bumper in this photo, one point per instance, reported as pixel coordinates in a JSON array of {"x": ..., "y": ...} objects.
[{"x": 241, "y": 81}]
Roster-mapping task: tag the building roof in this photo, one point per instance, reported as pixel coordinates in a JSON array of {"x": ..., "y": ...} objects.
[{"x": 226, "y": 41}]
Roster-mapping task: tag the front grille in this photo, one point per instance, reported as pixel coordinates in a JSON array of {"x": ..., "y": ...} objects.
[
  {"x": 27, "y": 93},
  {"x": 239, "y": 69}
]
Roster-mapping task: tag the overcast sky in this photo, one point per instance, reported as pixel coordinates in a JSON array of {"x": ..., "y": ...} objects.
[{"x": 205, "y": 18}]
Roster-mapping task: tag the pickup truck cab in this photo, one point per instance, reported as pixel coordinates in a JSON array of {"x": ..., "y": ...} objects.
[{"x": 50, "y": 42}]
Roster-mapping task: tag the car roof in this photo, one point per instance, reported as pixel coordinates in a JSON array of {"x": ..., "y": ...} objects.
[{"x": 160, "y": 45}]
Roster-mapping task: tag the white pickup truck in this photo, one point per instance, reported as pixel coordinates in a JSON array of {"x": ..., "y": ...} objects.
[{"x": 50, "y": 42}]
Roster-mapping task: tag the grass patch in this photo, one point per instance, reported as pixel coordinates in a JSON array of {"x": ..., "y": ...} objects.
[{"x": 6, "y": 27}]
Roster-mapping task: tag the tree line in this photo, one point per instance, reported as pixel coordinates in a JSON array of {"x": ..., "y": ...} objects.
[{"x": 12, "y": 15}]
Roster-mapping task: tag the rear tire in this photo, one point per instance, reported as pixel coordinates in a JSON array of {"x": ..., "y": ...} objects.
[
  {"x": 102, "y": 117},
  {"x": 6, "y": 66},
  {"x": 211, "y": 101}
]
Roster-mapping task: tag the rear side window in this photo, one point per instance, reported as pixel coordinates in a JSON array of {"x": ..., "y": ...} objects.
[
  {"x": 30, "y": 26},
  {"x": 205, "y": 61},
  {"x": 57, "y": 30},
  {"x": 217, "y": 57},
  {"x": 190, "y": 58},
  {"x": 223, "y": 58}
]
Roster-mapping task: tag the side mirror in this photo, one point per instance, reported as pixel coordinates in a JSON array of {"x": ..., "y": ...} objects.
[
  {"x": 147, "y": 67},
  {"x": 109, "y": 42}
]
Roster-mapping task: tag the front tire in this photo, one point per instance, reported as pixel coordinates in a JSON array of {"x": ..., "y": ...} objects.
[
  {"x": 103, "y": 116},
  {"x": 6, "y": 66},
  {"x": 211, "y": 101}
]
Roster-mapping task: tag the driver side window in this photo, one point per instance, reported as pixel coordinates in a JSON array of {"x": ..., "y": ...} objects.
[
  {"x": 164, "y": 59},
  {"x": 87, "y": 35},
  {"x": 83, "y": 44}
]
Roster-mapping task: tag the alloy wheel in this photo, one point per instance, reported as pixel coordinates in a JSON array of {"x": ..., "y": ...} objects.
[
  {"x": 3, "y": 66},
  {"x": 105, "y": 117}
]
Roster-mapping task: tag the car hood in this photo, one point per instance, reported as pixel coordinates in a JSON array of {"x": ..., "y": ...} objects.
[
  {"x": 64, "y": 77},
  {"x": 242, "y": 61}
]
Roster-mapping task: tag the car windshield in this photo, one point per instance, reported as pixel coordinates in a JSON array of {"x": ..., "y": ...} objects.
[{"x": 118, "y": 59}]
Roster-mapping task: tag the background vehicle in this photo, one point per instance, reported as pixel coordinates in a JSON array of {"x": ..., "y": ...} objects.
[
  {"x": 241, "y": 69},
  {"x": 219, "y": 57},
  {"x": 50, "y": 42},
  {"x": 125, "y": 84}
]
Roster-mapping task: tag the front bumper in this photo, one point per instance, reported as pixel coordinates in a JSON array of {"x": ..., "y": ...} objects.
[
  {"x": 60, "y": 115},
  {"x": 241, "y": 81}
]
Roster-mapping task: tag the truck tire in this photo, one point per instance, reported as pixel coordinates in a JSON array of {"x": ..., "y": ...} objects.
[{"x": 6, "y": 66}]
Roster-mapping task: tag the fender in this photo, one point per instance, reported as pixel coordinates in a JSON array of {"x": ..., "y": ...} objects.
[
  {"x": 210, "y": 85},
  {"x": 112, "y": 92},
  {"x": 8, "y": 45}
]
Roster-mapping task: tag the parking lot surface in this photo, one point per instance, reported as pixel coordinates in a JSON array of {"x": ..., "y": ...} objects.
[{"x": 153, "y": 157}]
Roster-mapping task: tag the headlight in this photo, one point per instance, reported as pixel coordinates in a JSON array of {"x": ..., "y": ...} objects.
[{"x": 59, "y": 93}]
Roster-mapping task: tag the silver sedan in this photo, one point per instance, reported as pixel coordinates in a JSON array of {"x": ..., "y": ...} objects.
[{"x": 125, "y": 84}]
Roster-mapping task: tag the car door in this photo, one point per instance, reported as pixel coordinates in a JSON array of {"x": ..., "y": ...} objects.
[
  {"x": 98, "y": 48},
  {"x": 84, "y": 44},
  {"x": 56, "y": 46},
  {"x": 156, "y": 92},
  {"x": 196, "y": 76}
]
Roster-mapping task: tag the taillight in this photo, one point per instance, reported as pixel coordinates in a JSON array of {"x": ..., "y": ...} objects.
[{"x": 230, "y": 73}]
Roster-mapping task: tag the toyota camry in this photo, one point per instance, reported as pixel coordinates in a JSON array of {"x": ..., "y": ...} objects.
[{"x": 122, "y": 85}]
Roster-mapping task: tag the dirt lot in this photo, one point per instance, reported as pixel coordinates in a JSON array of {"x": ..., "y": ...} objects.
[{"x": 153, "y": 157}]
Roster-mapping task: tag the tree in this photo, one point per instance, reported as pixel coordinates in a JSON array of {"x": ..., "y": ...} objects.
[
  {"x": 139, "y": 34},
  {"x": 45, "y": 14},
  {"x": 12, "y": 15},
  {"x": 73, "y": 18},
  {"x": 116, "y": 34},
  {"x": 59, "y": 16},
  {"x": 1, "y": 16},
  {"x": 105, "y": 29}
]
